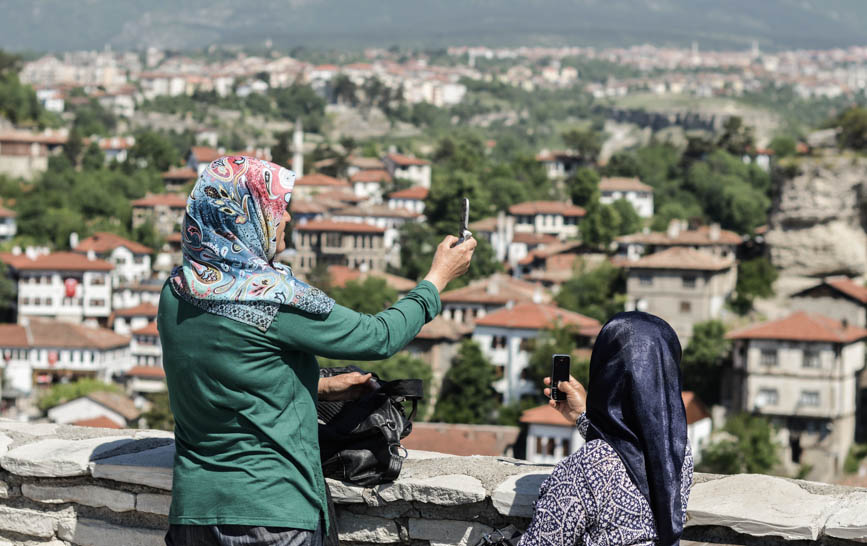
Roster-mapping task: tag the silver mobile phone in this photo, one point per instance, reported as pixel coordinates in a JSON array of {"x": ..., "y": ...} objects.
[{"x": 465, "y": 220}]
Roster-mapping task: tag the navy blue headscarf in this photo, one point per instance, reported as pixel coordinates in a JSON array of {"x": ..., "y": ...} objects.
[{"x": 634, "y": 403}]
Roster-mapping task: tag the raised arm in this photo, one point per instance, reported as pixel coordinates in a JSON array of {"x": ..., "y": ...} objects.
[{"x": 347, "y": 334}]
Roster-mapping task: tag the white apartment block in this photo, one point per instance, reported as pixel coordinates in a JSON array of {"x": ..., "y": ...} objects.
[
  {"x": 131, "y": 260},
  {"x": 801, "y": 372}
]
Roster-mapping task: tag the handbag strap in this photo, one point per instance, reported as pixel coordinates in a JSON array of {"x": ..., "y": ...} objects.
[
  {"x": 411, "y": 389},
  {"x": 395, "y": 462}
]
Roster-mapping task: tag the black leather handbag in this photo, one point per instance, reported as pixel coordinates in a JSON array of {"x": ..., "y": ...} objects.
[{"x": 359, "y": 440}]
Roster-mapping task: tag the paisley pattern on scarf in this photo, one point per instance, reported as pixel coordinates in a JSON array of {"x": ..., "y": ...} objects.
[
  {"x": 590, "y": 499},
  {"x": 229, "y": 239}
]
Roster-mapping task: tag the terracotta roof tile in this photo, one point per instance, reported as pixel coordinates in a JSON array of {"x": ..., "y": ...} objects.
[
  {"x": 535, "y": 238},
  {"x": 850, "y": 288},
  {"x": 344, "y": 227},
  {"x": 116, "y": 402},
  {"x": 372, "y": 175},
  {"x": 802, "y": 326},
  {"x": 461, "y": 440},
  {"x": 56, "y": 261},
  {"x": 141, "y": 310},
  {"x": 98, "y": 422},
  {"x": 338, "y": 196},
  {"x": 550, "y": 250},
  {"x": 341, "y": 274},
  {"x": 623, "y": 184},
  {"x": 374, "y": 211},
  {"x": 149, "y": 372},
  {"x": 442, "y": 328},
  {"x": 498, "y": 289},
  {"x": 59, "y": 334},
  {"x": 538, "y": 316},
  {"x": 6, "y": 213},
  {"x": 317, "y": 179},
  {"x": 546, "y": 207},
  {"x": 306, "y": 206},
  {"x": 486, "y": 225},
  {"x": 204, "y": 154},
  {"x": 416, "y": 192},
  {"x": 695, "y": 408},
  {"x": 104, "y": 242},
  {"x": 702, "y": 236},
  {"x": 361, "y": 162},
  {"x": 545, "y": 415},
  {"x": 172, "y": 200},
  {"x": 682, "y": 258},
  {"x": 149, "y": 330},
  {"x": 23, "y": 136},
  {"x": 405, "y": 160},
  {"x": 185, "y": 173}
]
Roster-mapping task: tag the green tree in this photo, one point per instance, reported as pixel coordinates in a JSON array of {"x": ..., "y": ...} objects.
[
  {"x": 344, "y": 90},
  {"x": 599, "y": 293},
  {"x": 584, "y": 186},
  {"x": 159, "y": 416},
  {"x": 630, "y": 221},
  {"x": 703, "y": 360},
  {"x": 750, "y": 449},
  {"x": 584, "y": 141},
  {"x": 466, "y": 395},
  {"x": 600, "y": 225},
  {"x": 756, "y": 279},
  {"x": 280, "y": 153},
  {"x": 152, "y": 150},
  {"x": 7, "y": 295},
  {"x": 783, "y": 146},
  {"x": 853, "y": 128},
  {"x": 558, "y": 340},
  {"x": 73, "y": 147},
  {"x": 737, "y": 138},
  {"x": 94, "y": 158},
  {"x": 369, "y": 296},
  {"x": 64, "y": 392}
]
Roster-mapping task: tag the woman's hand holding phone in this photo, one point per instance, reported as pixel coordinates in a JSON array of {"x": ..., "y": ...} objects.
[{"x": 576, "y": 398}]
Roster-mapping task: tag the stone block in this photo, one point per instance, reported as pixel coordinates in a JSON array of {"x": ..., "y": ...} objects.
[
  {"x": 345, "y": 493},
  {"x": 444, "y": 532},
  {"x": 88, "y": 495},
  {"x": 359, "y": 528},
  {"x": 421, "y": 455},
  {"x": 5, "y": 442},
  {"x": 515, "y": 496},
  {"x": 58, "y": 458},
  {"x": 849, "y": 520},
  {"x": 153, "y": 503},
  {"x": 450, "y": 489},
  {"x": 759, "y": 505},
  {"x": 91, "y": 532},
  {"x": 152, "y": 467},
  {"x": 33, "y": 429},
  {"x": 4, "y": 490},
  {"x": 151, "y": 433},
  {"x": 27, "y": 522}
]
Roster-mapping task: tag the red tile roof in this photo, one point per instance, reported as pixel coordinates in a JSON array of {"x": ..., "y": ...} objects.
[
  {"x": 185, "y": 173},
  {"x": 341, "y": 274},
  {"x": 461, "y": 440},
  {"x": 6, "y": 213},
  {"x": 172, "y": 200},
  {"x": 141, "y": 310},
  {"x": 535, "y": 238},
  {"x": 317, "y": 179},
  {"x": 373, "y": 175},
  {"x": 682, "y": 258},
  {"x": 306, "y": 206},
  {"x": 802, "y": 326},
  {"x": 338, "y": 195},
  {"x": 702, "y": 236},
  {"x": 539, "y": 316},
  {"x": 623, "y": 184},
  {"x": 60, "y": 335},
  {"x": 550, "y": 250},
  {"x": 555, "y": 155},
  {"x": 405, "y": 160},
  {"x": 149, "y": 372},
  {"x": 23, "y": 136},
  {"x": 376, "y": 211},
  {"x": 488, "y": 225},
  {"x": 695, "y": 408},
  {"x": 56, "y": 261},
  {"x": 546, "y": 207},
  {"x": 849, "y": 287},
  {"x": 442, "y": 328},
  {"x": 344, "y": 227},
  {"x": 416, "y": 192},
  {"x": 545, "y": 415},
  {"x": 104, "y": 242},
  {"x": 149, "y": 330},
  {"x": 116, "y": 402},
  {"x": 498, "y": 289},
  {"x": 204, "y": 154},
  {"x": 366, "y": 162},
  {"x": 98, "y": 422}
]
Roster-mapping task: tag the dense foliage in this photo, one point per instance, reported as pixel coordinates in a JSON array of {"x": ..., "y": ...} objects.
[
  {"x": 466, "y": 395},
  {"x": 599, "y": 293},
  {"x": 64, "y": 392},
  {"x": 371, "y": 295},
  {"x": 750, "y": 448},
  {"x": 703, "y": 360}
]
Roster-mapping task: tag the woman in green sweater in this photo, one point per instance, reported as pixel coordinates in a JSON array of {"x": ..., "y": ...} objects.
[{"x": 239, "y": 335}]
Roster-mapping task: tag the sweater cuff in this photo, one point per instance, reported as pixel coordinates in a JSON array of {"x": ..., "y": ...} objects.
[
  {"x": 433, "y": 305},
  {"x": 583, "y": 424}
]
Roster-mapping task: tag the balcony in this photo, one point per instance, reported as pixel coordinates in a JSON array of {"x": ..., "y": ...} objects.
[{"x": 109, "y": 487}]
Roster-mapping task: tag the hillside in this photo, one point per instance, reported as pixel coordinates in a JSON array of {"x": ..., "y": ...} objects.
[{"x": 53, "y": 25}]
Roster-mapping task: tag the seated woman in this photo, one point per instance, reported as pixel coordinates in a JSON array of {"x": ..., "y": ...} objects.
[
  {"x": 629, "y": 484},
  {"x": 239, "y": 335}
]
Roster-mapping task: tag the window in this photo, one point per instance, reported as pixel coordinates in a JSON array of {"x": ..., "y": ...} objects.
[
  {"x": 332, "y": 239},
  {"x": 645, "y": 280},
  {"x": 37, "y": 301},
  {"x": 768, "y": 357},
  {"x": 528, "y": 344},
  {"x": 688, "y": 281},
  {"x": 685, "y": 307},
  {"x": 499, "y": 371},
  {"x": 767, "y": 397},
  {"x": 498, "y": 342},
  {"x": 809, "y": 398},
  {"x": 567, "y": 447},
  {"x": 97, "y": 303},
  {"x": 550, "y": 447},
  {"x": 25, "y": 301},
  {"x": 811, "y": 359},
  {"x": 97, "y": 280},
  {"x": 139, "y": 260},
  {"x": 539, "y": 445}
]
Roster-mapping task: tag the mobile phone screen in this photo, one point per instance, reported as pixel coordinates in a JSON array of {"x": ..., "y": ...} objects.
[{"x": 559, "y": 372}]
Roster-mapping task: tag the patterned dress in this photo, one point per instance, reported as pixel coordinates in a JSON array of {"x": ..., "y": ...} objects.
[{"x": 589, "y": 499}]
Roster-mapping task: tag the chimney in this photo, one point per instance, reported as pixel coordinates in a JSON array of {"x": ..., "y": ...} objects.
[
  {"x": 714, "y": 232},
  {"x": 493, "y": 285},
  {"x": 298, "y": 150},
  {"x": 31, "y": 252},
  {"x": 537, "y": 294},
  {"x": 73, "y": 240},
  {"x": 674, "y": 229},
  {"x": 91, "y": 255},
  {"x": 16, "y": 250}
]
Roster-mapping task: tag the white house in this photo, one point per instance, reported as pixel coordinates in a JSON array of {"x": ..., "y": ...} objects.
[
  {"x": 145, "y": 347},
  {"x": 369, "y": 183},
  {"x": 466, "y": 304},
  {"x": 8, "y": 225},
  {"x": 410, "y": 199},
  {"x": 61, "y": 285},
  {"x": 507, "y": 336},
  {"x": 638, "y": 194},
  {"x": 801, "y": 372},
  {"x": 101, "y": 407},
  {"x": 125, "y": 321},
  {"x": 45, "y": 351},
  {"x": 408, "y": 168},
  {"x": 840, "y": 298},
  {"x": 130, "y": 295},
  {"x": 145, "y": 380},
  {"x": 708, "y": 239},
  {"x": 384, "y": 217},
  {"x": 131, "y": 260},
  {"x": 559, "y": 164},
  {"x": 552, "y": 217}
]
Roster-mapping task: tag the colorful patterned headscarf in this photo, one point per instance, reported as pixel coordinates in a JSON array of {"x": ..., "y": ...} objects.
[{"x": 229, "y": 239}]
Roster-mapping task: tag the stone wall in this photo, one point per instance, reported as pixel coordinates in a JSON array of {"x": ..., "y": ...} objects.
[{"x": 62, "y": 485}]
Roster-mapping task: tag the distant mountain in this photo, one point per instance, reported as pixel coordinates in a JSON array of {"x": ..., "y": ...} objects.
[{"x": 56, "y": 25}]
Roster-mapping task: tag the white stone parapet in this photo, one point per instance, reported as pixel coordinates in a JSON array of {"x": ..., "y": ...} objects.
[{"x": 74, "y": 485}]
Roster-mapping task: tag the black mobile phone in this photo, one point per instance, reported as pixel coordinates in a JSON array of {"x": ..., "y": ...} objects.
[{"x": 559, "y": 372}]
